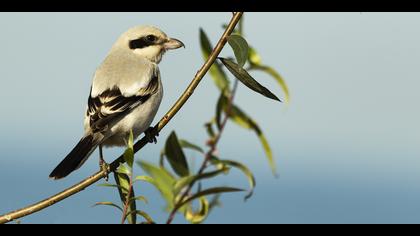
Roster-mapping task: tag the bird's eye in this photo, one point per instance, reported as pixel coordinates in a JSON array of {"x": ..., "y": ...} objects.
[{"x": 151, "y": 38}]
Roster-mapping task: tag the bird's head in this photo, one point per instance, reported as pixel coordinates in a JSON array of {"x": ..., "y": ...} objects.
[{"x": 148, "y": 42}]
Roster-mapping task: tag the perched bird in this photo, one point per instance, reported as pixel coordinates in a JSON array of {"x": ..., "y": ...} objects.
[{"x": 125, "y": 95}]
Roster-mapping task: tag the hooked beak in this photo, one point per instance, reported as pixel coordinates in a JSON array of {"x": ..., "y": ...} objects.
[{"x": 173, "y": 44}]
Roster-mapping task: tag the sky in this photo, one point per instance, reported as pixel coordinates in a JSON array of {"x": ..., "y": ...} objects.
[{"x": 346, "y": 146}]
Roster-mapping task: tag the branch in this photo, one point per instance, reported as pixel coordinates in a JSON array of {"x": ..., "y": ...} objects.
[{"x": 139, "y": 144}]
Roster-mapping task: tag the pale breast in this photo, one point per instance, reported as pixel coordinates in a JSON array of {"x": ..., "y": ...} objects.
[{"x": 138, "y": 120}]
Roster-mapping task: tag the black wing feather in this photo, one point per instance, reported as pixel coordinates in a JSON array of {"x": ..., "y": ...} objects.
[{"x": 109, "y": 107}]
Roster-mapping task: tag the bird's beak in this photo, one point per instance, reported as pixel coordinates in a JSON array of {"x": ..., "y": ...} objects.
[{"x": 173, "y": 44}]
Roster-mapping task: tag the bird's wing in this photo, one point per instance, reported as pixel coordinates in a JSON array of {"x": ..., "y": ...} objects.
[{"x": 112, "y": 105}]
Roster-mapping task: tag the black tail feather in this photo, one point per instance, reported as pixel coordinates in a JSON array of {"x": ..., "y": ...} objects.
[{"x": 75, "y": 158}]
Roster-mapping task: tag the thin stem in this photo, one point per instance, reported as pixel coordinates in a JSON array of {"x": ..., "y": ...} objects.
[
  {"x": 209, "y": 154},
  {"x": 127, "y": 201},
  {"x": 139, "y": 144}
]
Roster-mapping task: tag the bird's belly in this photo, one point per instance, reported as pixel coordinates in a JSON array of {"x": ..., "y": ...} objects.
[{"x": 138, "y": 120}]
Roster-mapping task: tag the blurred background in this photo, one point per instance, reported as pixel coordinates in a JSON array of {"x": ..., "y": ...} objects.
[{"x": 347, "y": 147}]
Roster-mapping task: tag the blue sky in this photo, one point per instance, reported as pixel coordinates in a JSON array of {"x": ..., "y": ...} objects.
[{"x": 346, "y": 147}]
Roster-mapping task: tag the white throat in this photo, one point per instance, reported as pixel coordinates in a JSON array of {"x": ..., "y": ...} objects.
[{"x": 152, "y": 53}]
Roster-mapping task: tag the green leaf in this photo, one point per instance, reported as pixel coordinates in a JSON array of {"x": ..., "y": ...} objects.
[
  {"x": 209, "y": 129},
  {"x": 253, "y": 57},
  {"x": 267, "y": 151},
  {"x": 221, "y": 104},
  {"x": 242, "y": 119},
  {"x": 216, "y": 72},
  {"x": 124, "y": 181},
  {"x": 162, "y": 158},
  {"x": 108, "y": 204},
  {"x": 145, "y": 216},
  {"x": 186, "y": 144},
  {"x": 240, "y": 48},
  {"x": 185, "y": 181},
  {"x": 142, "y": 214},
  {"x": 199, "y": 216},
  {"x": 176, "y": 156},
  {"x": 273, "y": 73},
  {"x": 111, "y": 185},
  {"x": 208, "y": 192},
  {"x": 144, "y": 178},
  {"x": 163, "y": 181},
  {"x": 124, "y": 169},
  {"x": 256, "y": 64},
  {"x": 244, "y": 169},
  {"x": 140, "y": 198},
  {"x": 243, "y": 76},
  {"x": 129, "y": 152}
]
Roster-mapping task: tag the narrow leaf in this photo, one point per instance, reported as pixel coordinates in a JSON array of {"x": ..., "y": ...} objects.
[
  {"x": 244, "y": 169},
  {"x": 142, "y": 214},
  {"x": 144, "y": 178},
  {"x": 241, "y": 118},
  {"x": 199, "y": 216},
  {"x": 216, "y": 72},
  {"x": 277, "y": 77},
  {"x": 209, "y": 129},
  {"x": 124, "y": 180},
  {"x": 162, "y": 158},
  {"x": 185, "y": 181},
  {"x": 129, "y": 152},
  {"x": 111, "y": 185},
  {"x": 124, "y": 169},
  {"x": 140, "y": 198},
  {"x": 145, "y": 216},
  {"x": 108, "y": 204},
  {"x": 268, "y": 152},
  {"x": 240, "y": 48},
  {"x": 186, "y": 144},
  {"x": 162, "y": 180},
  {"x": 243, "y": 76},
  {"x": 176, "y": 156},
  {"x": 208, "y": 192},
  {"x": 253, "y": 57},
  {"x": 221, "y": 104}
]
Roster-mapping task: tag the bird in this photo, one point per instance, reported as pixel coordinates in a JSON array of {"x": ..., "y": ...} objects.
[{"x": 124, "y": 97}]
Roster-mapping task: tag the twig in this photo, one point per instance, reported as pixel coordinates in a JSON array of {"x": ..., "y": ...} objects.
[
  {"x": 127, "y": 201},
  {"x": 208, "y": 155},
  {"x": 139, "y": 144}
]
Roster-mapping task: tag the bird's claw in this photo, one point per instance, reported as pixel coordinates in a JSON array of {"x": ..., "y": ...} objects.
[
  {"x": 151, "y": 133},
  {"x": 104, "y": 168}
]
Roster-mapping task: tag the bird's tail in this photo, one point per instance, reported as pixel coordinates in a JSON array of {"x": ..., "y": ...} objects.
[{"x": 75, "y": 158}]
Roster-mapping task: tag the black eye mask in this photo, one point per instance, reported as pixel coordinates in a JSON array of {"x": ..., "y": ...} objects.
[{"x": 142, "y": 42}]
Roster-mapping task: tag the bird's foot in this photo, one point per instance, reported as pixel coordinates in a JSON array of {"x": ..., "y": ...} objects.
[
  {"x": 104, "y": 168},
  {"x": 151, "y": 133}
]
